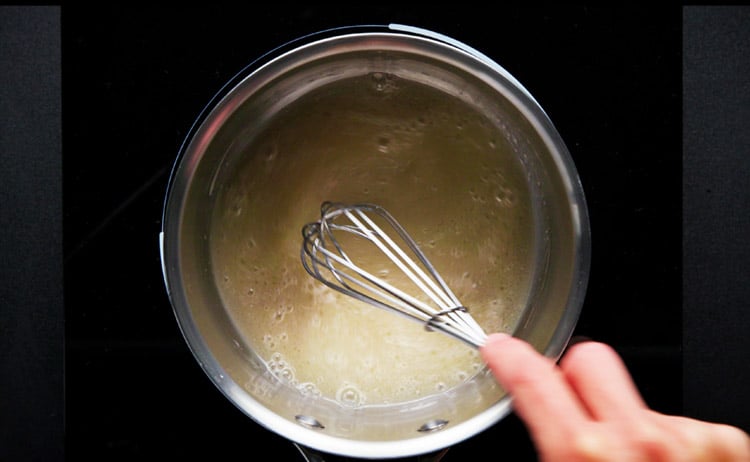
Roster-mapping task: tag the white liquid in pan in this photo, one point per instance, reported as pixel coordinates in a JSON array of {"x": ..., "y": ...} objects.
[{"x": 447, "y": 175}]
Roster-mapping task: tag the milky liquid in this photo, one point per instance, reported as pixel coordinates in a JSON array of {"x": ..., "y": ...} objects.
[{"x": 439, "y": 167}]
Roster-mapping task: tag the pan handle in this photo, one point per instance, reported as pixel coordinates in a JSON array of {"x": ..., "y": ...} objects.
[{"x": 312, "y": 455}]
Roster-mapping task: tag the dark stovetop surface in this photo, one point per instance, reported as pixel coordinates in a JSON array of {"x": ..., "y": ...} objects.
[
  {"x": 92, "y": 365},
  {"x": 134, "y": 80}
]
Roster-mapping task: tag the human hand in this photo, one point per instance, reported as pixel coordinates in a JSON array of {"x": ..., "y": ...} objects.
[{"x": 587, "y": 408}]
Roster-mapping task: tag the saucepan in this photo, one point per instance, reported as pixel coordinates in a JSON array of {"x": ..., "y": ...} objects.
[{"x": 457, "y": 150}]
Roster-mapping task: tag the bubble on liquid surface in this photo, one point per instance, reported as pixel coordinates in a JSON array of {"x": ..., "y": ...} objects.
[
  {"x": 350, "y": 396},
  {"x": 504, "y": 197},
  {"x": 378, "y": 79},
  {"x": 286, "y": 374},
  {"x": 281, "y": 312},
  {"x": 382, "y": 82},
  {"x": 309, "y": 389},
  {"x": 270, "y": 152},
  {"x": 281, "y": 368},
  {"x": 383, "y": 143}
]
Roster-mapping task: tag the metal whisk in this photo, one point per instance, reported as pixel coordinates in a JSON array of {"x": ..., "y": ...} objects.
[{"x": 324, "y": 257}]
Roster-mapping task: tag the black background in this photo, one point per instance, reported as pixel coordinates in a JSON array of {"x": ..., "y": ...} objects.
[{"x": 134, "y": 79}]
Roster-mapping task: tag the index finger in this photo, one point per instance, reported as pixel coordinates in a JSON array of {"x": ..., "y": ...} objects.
[{"x": 541, "y": 396}]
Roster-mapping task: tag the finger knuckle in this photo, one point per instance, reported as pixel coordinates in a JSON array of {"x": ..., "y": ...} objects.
[
  {"x": 587, "y": 445},
  {"x": 651, "y": 443},
  {"x": 733, "y": 443}
]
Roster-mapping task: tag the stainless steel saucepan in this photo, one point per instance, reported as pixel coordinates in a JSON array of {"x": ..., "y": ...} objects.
[{"x": 453, "y": 146}]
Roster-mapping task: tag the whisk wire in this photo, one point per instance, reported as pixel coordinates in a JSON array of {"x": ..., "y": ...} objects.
[
  {"x": 402, "y": 300},
  {"x": 324, "y": 258},
  {"x": 444, "y": 298},
  {"x": 387, "y": 291},
  {"x": 329, "y": 260},
  {"x": 404, "y": 262}
]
